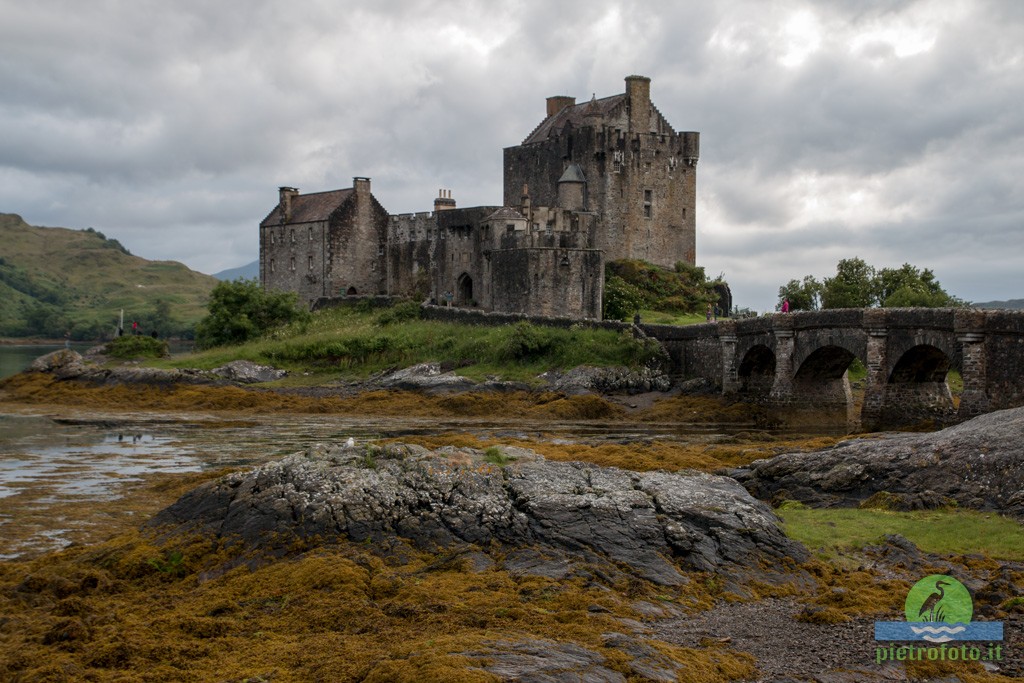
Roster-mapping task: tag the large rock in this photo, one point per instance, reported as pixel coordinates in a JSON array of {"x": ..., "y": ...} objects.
[
  {"x": 611, "y": 380},
  {"x": 62, "y": 363},
  {"x": 247, "y": 372},
  {"x": 977, "y": 464},
  {"x": 562, "y": 512}
]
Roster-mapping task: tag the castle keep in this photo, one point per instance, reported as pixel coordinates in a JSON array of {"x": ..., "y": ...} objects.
[{"x": 604, "y": 180}]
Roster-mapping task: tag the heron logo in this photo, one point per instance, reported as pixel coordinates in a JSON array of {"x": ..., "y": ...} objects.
[{"x": 938, "y": 609}]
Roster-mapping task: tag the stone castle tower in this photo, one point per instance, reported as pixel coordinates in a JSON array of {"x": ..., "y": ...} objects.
[
  {"x": 632, "y": 169},
  {"x": 605, "y": 180}
]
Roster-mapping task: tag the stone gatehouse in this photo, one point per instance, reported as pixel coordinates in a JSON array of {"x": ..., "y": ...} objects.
[{"x": 605, "y": 179}]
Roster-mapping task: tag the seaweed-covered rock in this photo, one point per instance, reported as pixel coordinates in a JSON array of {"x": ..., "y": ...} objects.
[
  {"x": 976, "y": 464},
  {"x": 247, "y": 372},
  {"x": 563, "y": 512}
]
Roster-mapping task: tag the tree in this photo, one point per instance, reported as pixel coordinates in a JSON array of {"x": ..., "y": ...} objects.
[
  {"x": 858, "y": 285},
  {"x": 852, "y": 287},
  {"x": 241, "y": 310},
  {"x": 803, "y": 296},
  {"x": 907, "y": 286}
]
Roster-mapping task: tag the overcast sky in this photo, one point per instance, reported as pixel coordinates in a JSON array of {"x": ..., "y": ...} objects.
[{"x": 881, "y": 129}]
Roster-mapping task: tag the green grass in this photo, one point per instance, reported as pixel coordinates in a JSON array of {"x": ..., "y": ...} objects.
[
  {"x": 346, "y": 343},
  {"x": 666, "y": 318},
  {"x": 958, "y": 532}
]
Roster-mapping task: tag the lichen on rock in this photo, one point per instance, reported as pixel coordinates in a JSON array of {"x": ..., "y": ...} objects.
[{"x": 566, "y": 513}]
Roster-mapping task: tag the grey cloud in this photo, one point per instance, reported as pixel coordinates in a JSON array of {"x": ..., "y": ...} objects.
[{"x": 168, "y": 125}]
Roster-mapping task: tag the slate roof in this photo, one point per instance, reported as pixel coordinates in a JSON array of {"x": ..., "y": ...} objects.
[
  {"x": 577, "y": 115},
  {"x": 309, "y": 208},
  {"x": 506, "y": 213},
  {"x": 573, "y": 174}
]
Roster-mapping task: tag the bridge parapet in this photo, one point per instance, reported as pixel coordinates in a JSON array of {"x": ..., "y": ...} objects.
[{"x": 800, "y": 359}]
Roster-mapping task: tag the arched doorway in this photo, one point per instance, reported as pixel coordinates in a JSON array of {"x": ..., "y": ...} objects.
[
  {"x": 465, "y": 289},
  {"x": 351, "y": 291}
]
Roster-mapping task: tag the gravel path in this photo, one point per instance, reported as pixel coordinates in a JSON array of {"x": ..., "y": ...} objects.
[{"x": 791, "y": 650}]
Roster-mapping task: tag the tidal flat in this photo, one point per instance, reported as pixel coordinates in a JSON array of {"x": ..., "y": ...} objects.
[{"x": 89, "y": 595}]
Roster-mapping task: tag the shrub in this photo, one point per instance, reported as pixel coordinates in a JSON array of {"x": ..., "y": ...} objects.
[
  {"x": 527, "y": 342},
  {"x": 400, "y": 313},
  {"x": 137, "y": 346},
  {"x": 241, "y": 310}
]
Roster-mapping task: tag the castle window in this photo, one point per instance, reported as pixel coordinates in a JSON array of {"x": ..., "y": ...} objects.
[
  {"x": 311, "y": 263},
  {"x": 510, "y": 227},
  {"x": 684, "y": 213},
  {"x": 311, "y": 234},
  {"x": 648, "y": 196},
  {"x": 291, "y": 264},
  {"x": 273, "y": 267},
  {"x": 273, "y": 239},
  {"x": 293, "y": 238}
]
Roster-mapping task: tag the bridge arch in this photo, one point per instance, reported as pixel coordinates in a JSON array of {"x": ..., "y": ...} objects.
[
  {"x": 917, "y": 389},
  {"x": 756, "y": 372},
  {"x": 822, "y": 384}
]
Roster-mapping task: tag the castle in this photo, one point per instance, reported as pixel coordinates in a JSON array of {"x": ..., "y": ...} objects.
[{"x": 603, "y": 180}]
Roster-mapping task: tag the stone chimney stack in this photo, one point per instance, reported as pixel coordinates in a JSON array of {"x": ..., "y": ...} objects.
[
  {"x": 286, "y": 194},
  {"x": 558, "y": 103},
  {"x": 361, "y": 186},
  {"x": 638, "y": 99},
  {"x": 444, "y": 201}
]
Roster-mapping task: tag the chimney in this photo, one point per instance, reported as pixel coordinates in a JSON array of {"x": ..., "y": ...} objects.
[
  {"x": 286, "y": 194},
  {"x": 638, "y": 99},
  {"x": 444, "y": 201},
  {"x": 558, "y": 103},
  {"x": 361, "y": 186}
]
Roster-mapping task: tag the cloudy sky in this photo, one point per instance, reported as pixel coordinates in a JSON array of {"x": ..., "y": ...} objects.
[{"x": 887, "y": 130}]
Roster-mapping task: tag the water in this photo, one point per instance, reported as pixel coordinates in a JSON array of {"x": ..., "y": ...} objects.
[
  {"x": 66, "y": 478},
  {"x": 17, "y": 357}
]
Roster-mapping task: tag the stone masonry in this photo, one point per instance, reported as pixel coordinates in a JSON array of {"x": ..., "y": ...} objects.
[{"x": 608, "y": 179}]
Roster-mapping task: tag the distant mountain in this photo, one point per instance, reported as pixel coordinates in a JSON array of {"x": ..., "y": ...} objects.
[
  {"x": 250, "y": 271},
  {"x": 1016, "y": 304},
  {"x": 55, "y": 280}
]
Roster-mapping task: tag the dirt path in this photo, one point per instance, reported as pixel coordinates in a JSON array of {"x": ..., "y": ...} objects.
[{"x": 791, "y": 650}]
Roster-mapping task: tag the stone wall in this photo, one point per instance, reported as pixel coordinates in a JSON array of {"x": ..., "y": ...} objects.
[
  {"x": 356, "y": 245},
  {"x": 469, "y": 316},
  {"x": 640, "y": 185},
  {"x": 293, "y": 259},
  {"x": 547, "y": 281}
]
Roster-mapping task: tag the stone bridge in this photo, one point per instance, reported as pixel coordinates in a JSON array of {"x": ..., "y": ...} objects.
[{"x": 799, "y": 361}]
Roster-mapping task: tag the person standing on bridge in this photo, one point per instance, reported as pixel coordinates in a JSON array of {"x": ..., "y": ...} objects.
[{"x": 785, "y": 305}]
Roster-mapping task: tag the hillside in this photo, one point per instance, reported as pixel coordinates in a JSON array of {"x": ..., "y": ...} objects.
[
  {"x": 55, "y": 280},
  {"x": 1015, "y": 304},
  {"x": 250, "y": 271}
]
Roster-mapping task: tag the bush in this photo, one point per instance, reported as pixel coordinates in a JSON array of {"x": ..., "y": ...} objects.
[
  {"x": 400, "y": 313},
  {"x": 631, "y": 285},
  {"x": 527, "y": 342},
  {"x": 137, "y": 346},
  {"x": 621, "y": 299},
  {"x": 241, "y": 310}
]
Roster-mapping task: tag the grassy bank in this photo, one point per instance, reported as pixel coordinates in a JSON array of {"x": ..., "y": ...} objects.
[
  {"x": 350, "y": 343},
  {"x": 832, "y": 532}
]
